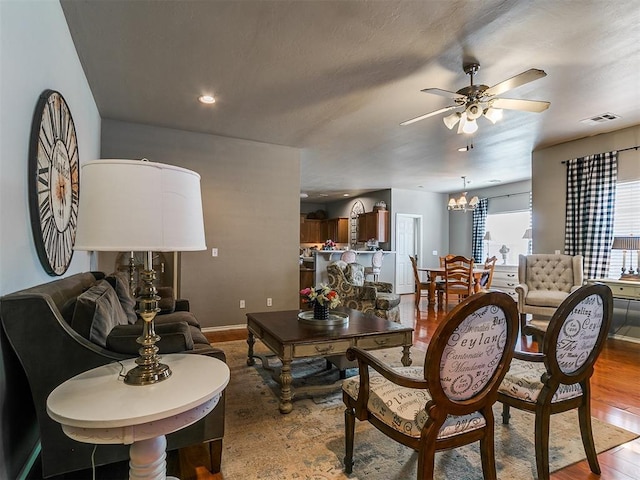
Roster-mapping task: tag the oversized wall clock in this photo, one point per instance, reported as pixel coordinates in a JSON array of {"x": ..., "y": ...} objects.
[{"x": 54, "y": 186}]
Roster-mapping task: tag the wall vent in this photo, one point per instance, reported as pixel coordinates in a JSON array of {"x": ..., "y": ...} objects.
[{"x": 602, "y": 118}]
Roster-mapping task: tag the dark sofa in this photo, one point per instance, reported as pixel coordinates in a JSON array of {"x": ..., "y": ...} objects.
[{"x": 42, "y": 325}]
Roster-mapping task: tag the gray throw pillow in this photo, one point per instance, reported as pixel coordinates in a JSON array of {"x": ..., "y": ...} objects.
[
  {"x": 120, "y": 283},
  {"x": 97, "y": 311}
]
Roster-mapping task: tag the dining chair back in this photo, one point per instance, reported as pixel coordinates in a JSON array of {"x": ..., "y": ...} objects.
[
  {"x": 558, "y": 378},
  {"x": 487, "y": 276},
  {"x": 420, "y": 285},
  {"x": 444, "y": 404},
  {"x": 376, "y": 266},
  {"x": 348, "y": 256},
  {"x": 458, "y": 277}
]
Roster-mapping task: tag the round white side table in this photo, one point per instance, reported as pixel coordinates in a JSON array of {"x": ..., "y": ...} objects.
[{"x": 97, "y": 407}]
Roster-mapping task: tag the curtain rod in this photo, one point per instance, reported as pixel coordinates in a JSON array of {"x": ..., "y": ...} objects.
[
  {"x": 620, "y": 150},
  {"x": 509, "y": 195}
]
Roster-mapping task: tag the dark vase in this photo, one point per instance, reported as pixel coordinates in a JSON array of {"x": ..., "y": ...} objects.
[{"x": 320, "y": 312}]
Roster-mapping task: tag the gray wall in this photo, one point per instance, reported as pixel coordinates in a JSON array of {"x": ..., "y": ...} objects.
[
  {"x": 250, "y": 195},
  {"x": 36, "y": 53},
  {"x": 502, "y": 198},
  {"x": 548, "y": 176},
  {"x": 435, "y": 220}
]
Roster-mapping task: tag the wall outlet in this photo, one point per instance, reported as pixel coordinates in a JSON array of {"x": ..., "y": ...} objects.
[
  {"x": 242, "y": 305},
  {"x": 214, "y": 252},
  {"x": 269, "y": 302},
  {"x": 434, "y": 253},
  {"x": 557, "y": 252}
]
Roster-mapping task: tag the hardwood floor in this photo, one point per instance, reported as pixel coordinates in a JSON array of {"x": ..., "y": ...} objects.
[{"x": 615, "y": 399}]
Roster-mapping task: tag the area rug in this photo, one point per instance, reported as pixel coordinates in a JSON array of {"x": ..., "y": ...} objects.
[{"x": 308, "y": 443}]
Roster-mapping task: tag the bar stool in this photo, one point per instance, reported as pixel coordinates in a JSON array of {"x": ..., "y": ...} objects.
[{"x": 376, "y": 266}]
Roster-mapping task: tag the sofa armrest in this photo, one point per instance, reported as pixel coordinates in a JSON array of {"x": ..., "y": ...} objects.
[
  {"x": 383, "y": 287},
  {"x": 174, "y": 338}
]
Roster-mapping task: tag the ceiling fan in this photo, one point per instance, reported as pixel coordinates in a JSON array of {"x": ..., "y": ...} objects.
[{"x": 479, "y": 100}]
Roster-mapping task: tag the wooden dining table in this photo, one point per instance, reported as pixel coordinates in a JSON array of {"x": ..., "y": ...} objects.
[{"x": 434, "y": 272}]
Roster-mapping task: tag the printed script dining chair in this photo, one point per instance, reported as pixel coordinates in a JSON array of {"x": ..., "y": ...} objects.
[
  {"x": 458, "y": 277},
  {"x": 557, "y": 379},
  {"x": 446, "y": 403}
]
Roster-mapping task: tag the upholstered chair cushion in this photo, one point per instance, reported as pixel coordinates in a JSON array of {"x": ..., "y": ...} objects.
[
  {"x": 546, "y": 298},
  {"x": 523, "y": 381},
  {"x": 403, "y": 408},
  {"x": 354, "y": 273},
  {"x": 386, "y": 301},
  {"x": 97, "y": 311}
]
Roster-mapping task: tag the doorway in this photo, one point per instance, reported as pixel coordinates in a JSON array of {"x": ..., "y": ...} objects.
[{"x": 408, "y": 242}]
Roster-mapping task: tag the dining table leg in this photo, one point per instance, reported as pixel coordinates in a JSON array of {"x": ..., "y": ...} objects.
[{"x": 431, "y": 291}]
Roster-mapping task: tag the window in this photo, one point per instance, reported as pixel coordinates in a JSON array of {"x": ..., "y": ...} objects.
[
  {"x": 626, "y": 222},
  {"x": 506, "y": 230}
]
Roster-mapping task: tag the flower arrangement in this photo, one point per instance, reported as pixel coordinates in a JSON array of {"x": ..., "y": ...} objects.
[
  {"x": 322, "y": 295},
  {"x": 329, "y": 245}
]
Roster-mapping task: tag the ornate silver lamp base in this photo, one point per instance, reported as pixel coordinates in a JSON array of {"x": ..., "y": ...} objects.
[{"x": 149, "y": 370}]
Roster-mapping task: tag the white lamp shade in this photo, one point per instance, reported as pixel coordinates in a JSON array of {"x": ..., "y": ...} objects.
[{"x": 135, "y": 205}]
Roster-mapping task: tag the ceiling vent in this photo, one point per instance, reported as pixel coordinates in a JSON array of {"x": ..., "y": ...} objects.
[{"x": 602, "y": 118}]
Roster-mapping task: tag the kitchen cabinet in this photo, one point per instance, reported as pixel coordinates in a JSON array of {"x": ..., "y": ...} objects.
[
  {"x": 374, "y": 225},
  {"x": 311, "y": 230},
  {"x": 338, "y": 229}
]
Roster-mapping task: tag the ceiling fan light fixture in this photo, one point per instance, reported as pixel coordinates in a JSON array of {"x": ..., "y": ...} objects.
[
  {"x": 493, "y": 114},
  {"x": 473, "y": 111},
  {"x": 451, "y": 120},
  {"x": 470, "y": 126}
]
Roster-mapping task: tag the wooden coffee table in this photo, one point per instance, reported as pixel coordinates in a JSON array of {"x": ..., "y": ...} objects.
[{"x": 288, "y": 338}]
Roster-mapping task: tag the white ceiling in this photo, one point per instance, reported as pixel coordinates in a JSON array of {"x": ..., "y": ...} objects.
[{"x": 336, "y": 78}]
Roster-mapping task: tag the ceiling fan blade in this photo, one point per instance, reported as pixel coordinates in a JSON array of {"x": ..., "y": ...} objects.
[
  {"x": 427, "y": 115},
  {"x": 444, "y": 93},
  {"x": 513, "y": 82},
  {"x": 536, "y": 106}
]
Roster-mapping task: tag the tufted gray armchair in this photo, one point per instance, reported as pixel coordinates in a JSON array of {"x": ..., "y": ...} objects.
[
  {"x": 545, "y": 280},
  {"x": 376, "y": 298}
]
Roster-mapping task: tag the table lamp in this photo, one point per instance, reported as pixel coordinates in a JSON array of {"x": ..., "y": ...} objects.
[
  {"x": 140, "y": 206},
  {"x": 630, "y": 243}
]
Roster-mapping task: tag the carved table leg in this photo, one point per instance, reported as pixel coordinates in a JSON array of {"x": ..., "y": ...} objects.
[
  {"x": 250, "y": 342},
  {"x": 406, "y": 356},
  {"x": 285, "y": 387}
]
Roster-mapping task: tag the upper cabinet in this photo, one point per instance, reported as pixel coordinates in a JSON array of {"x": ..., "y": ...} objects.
[
  {"x": 318, "y": 231},
  {"x": 310, "y": 230},
  {"x": 338, "y": 230},
  {"x": 374, "y": 225}
]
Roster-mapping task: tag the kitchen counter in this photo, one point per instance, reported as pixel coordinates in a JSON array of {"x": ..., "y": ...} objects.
[{"x": 324, "y": 257}]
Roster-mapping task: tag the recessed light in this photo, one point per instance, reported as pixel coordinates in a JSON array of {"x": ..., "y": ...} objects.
[
  {"x": 304, "y": 195},
  {"x": 208, "y": 99},
  {"x": 345, "y": 194},
  {"x": 495, "y": 181}
]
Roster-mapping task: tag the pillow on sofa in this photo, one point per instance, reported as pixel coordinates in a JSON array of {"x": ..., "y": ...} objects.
[
  {"x": 120, "y": 283},
  {"x": 97, "y": 311},
  {"x": 167, "y": 303}
]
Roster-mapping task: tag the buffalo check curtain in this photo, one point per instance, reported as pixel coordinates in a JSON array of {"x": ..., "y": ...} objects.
[
  {"x": 479, "y": 227},
  {"x": 591, "y": 194}
]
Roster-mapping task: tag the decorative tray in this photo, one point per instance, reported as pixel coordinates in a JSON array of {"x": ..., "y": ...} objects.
[{"x": 336, "y": 319}]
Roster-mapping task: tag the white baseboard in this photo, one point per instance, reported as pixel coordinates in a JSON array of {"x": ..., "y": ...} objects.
[
  {"x": 625, "y": 338},
  {"x": 224, "y": 328}
]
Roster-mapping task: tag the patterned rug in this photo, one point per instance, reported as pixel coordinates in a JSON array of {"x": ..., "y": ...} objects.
[{"x": 308, "y": 444}]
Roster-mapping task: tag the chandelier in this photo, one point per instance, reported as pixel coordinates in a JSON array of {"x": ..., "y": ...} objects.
[{"x": 461, "y": 204}]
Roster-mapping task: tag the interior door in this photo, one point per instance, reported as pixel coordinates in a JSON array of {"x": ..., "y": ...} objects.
[{"x": 408, "y": 228}]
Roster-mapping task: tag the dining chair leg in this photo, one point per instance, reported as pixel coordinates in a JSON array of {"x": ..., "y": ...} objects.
[
  {"x": 487, "y": 455},
  {"x": 506, "y": 415},
  {"x": 349, "y": 433},
  {"x": 541, "y": 434},
  {"x": 584, "y": 418},
  {"x": 426, "y": 462}
]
